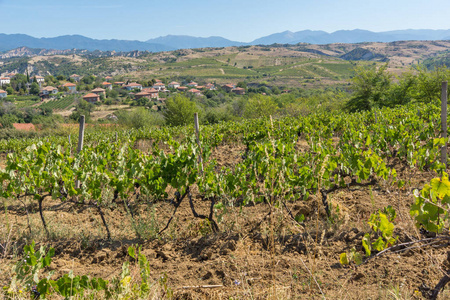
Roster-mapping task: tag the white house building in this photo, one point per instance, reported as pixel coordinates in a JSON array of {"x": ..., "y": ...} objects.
[
  {"x": 49, "y": 90},
  {"x": 4, "y": 80},
  {"x": 173, "y": 85},
  {"x": 39, "y": 79},
  {"x": 159, "y": 86},
  {"x": 133, "y": 85}
]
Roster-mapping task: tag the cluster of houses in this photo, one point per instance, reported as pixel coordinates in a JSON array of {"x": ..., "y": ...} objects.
[
  {"x": 135, "y": 89},
  {"x": 3, "y": 81}
]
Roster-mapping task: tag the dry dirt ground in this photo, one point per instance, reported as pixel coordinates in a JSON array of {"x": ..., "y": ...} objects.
[
  {"x": 303, "y": 264},
  {"x": 100, "y": 113}
]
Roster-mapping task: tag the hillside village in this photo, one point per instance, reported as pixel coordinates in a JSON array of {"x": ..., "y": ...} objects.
[
  {"x": 56, "y": 89},
  {"x": 154, "y": 90},
  {"x": 46, "y": 91}
]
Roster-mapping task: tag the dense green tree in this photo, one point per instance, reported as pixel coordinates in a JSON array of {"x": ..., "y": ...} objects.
[
  {"x": 242, "y": 84},
  {"x": 237, "y": 107},
  {"x": 112, "y": 94},
  {"x": 427, "y": 85},
  {"x": 179, "y": 110},
  {"x": 139, "y": 118},
  {"x": 34, "y": 89},
  {"x": 7, "y": 120},
  {"x": 216, "y": 115},
  {"x": 370, "y": 88},
  {"x": 88, "y": 79},
  {"x": 50, "y": 80},
  {"x": 83, "y": 108},
  {"x": 260, "y": 106},
  {"x": 10, "y": 90},
  {"x": 276, "y": 90}
]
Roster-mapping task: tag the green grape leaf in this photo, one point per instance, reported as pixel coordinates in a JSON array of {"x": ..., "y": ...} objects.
[
  {"x": 366, "y": 244},
  {"x": 440, "y": 187},
  {"x": 343, "y": 259},
  {"x": 300, "y": 218},
  {"x": 132, "y": 252},
  {"x": 378, "y": 245},
  {"x": 357, "y": 257},
  {"x": 386, "y": 227}
]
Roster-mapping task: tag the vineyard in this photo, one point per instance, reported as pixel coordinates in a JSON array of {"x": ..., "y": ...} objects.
[
  {"x": 59, "y": 104},
  {"x": 328, "y": 206}
]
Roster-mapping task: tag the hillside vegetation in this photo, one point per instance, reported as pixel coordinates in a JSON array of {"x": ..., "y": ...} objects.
[{"x": 290, "y": 65}]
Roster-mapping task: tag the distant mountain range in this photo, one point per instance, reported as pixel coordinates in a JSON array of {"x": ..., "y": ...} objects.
[
  {"x": 174, "y": 42},
  {"x": 12, "y": 41},
  {"x": 351, "y": 36},
  {"x": 187, "y": 42}
]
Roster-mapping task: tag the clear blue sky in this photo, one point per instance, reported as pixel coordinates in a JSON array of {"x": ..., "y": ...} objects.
[{"x": 239, "y": 20}]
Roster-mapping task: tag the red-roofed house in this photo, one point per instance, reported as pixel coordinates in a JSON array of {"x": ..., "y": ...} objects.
[
  {"x": 182, "y": 88},
  {"x": 3, "y": 94},
  {"x": 210, "y": 86},
  {"x": 99, "y": 91},
  {"x": 173, "y": 85},
  {"x": 24, "y": 126},
  {"x": 133, "y": 85},
  {"x": 48, "y": 90},
  {"x": 119, "y": 83},
  {"x": 91, "y": 98},
  {"x": 229, "y": 87},
  {"x": 192, "y": 84},
  {"x": 108, "y": 78},
  {"x": 75, "y": 77},
  {"x": 142, "y": 94},
  {"x": 71, "y": 86},
  {"x": 195, "y": 92},
  {"x": 107, "y": 85},
  {"x": 159, "y": 86},
  {"x": 238, "y": 91},
  {"x": 153, "y": 93}
]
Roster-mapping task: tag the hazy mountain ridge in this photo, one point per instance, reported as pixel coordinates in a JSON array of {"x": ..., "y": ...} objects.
[
  {"x": 351, "y": 36},
  {"x": 175, "y": 42},
  {"x": 12, "y": 41},
  {"x": 187, "y": 42}
]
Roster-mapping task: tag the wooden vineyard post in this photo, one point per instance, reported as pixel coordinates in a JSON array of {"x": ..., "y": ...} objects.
[
  {"x": 70, "y": 146},
  {"x": 80, "y": 143},
  {"x": 197, "y": 136},
  {"x": 444, "y": 122}
]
